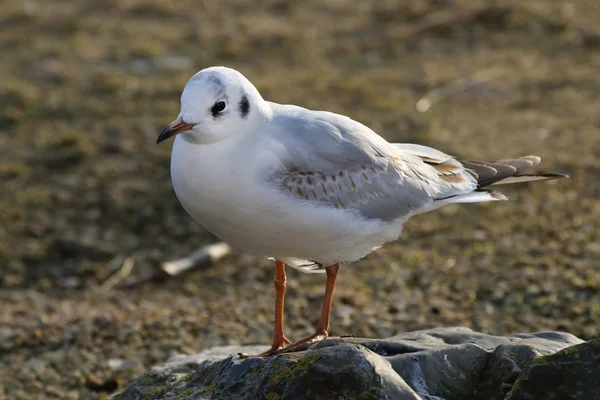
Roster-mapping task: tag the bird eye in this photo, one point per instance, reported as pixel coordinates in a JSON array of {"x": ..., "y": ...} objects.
[{"x": 217, "y": 108}]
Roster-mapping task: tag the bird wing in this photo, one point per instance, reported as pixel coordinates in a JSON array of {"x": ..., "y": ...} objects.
[{"x": 334, "y": 160}]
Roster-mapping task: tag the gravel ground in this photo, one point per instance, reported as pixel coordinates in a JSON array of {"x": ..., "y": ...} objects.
[{"x": 86, "y": 87}]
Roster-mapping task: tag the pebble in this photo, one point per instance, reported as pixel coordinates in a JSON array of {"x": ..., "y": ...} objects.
[{"x": 118, "y": 364}]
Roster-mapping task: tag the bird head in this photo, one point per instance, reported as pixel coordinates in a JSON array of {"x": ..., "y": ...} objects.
[{"x": 216, "y": 103}]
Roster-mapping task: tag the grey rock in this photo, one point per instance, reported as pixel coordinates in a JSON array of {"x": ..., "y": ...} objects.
[
  {"x": 441, "y": 364},
  {"x": 572, "y": 373}
]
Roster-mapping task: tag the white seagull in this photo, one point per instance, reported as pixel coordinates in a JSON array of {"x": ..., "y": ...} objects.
[{"x": 311, "y": 189}]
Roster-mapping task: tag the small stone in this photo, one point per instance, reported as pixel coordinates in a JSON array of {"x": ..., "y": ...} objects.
[
  {"x": 71, "y": 282},
  {"x": 118, "y": 364}
]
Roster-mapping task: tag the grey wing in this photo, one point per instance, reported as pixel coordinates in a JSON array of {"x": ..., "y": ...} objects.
[{"x": 337, "y": 161}]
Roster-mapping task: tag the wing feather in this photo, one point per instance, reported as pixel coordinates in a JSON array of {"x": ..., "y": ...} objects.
[
  {"x": 339, "y": 162},
  {"x": 336, "y": 161}
]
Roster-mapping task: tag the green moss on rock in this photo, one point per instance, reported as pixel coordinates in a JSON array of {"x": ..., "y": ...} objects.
[
  {"x": 184, "y": 378},
  {"x": 539, "y": 360},
  {"x": 280, "y": 374},
  {"x": 305, "y": 362},
  {"x": 574, "y": 351},
  {"x": 273, "y": 396},
  {"x": 185, "y": 393},
  {"x": 160, "y": 390}
]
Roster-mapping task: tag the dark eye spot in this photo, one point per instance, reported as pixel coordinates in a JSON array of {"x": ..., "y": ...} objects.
[
  {"x": 217, "y": 108},
  {"x": 244, "y": 106}
]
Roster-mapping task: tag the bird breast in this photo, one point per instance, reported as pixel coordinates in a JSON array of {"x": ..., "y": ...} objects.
[{"x": 235, "y": 201}]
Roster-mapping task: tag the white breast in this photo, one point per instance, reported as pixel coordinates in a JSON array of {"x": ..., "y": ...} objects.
[{"x": 223, "y": 187}]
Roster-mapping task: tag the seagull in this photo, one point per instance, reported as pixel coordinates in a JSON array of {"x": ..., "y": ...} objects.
[{"x": 310, "y": 189}]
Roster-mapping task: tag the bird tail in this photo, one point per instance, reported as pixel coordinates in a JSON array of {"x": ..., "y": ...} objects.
[
  {"x": 502, "y": 172},
  {"x": 492, "y": 173}
]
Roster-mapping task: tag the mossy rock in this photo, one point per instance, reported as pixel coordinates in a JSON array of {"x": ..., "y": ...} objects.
[
  {"x": 450, "y": 363},
  {"x": 572, "y": 373}
]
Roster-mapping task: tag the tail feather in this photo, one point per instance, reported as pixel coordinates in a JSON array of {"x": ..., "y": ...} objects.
[
  {"x": 477, "y": 196},
  {"x": 502, "y": 172},
  {"x": 486, "y": 173},
  {"x": 529, "y": 178}
]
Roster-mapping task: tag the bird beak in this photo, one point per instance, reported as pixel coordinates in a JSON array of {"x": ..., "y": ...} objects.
[{"x": 175, "y": 127}]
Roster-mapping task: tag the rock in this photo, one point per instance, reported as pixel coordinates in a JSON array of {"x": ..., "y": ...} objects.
[
  {"x": 574, "y": 373},
  {"x": 445, "y": 363}
]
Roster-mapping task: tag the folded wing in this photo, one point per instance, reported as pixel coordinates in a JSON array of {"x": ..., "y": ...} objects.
[{"x": 334, "y": 160}]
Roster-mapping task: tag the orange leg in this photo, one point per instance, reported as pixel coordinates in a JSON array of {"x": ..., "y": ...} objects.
[
  {"x": 279, "y": 339},
  {"x": 323, "y": 328}
]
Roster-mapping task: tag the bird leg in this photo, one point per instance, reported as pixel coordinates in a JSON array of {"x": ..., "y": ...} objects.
[
  {"x": 323, "y": 328},
  {"x": 279, "y": 339}
]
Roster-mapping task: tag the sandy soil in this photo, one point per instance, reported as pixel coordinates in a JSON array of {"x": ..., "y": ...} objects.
[{"x": 86, "y": 86}]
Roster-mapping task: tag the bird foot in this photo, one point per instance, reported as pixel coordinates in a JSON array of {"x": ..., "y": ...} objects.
[
  {"x": 275, "y": 349},
  {"x": 302, "y": 344}
]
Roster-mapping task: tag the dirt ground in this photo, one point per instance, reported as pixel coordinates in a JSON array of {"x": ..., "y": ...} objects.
[{"x": 86, "y": 86}]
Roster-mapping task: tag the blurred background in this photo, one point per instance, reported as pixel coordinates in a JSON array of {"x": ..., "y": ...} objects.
[{"x": 86, "y": 86}]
